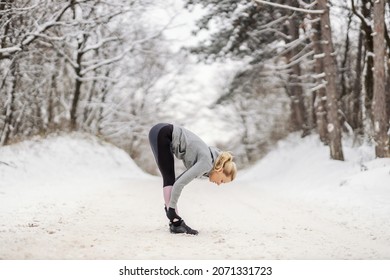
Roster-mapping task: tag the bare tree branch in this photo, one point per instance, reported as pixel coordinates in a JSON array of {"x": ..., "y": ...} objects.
[{"x": 290, "y": 8}]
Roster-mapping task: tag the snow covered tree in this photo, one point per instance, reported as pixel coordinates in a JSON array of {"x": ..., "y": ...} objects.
[
  {"x": 252, "y": 31},
  {"x": 294, "y": 85},
  {"x": 319, "y": 92},
  {"x": 32, "y": 76},
  {"x": 364, "y": 15},
  {"x": 355, "y": 106},
  {"x": 20, "y": 84},
  {"x": 332, "y": 94},
  {"x": 60, "y": 62},
  {"x": 238, "y": 29},
  {"x": 85, "y": 51}
]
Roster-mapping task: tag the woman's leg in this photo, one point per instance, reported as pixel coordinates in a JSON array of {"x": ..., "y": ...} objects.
[
  {"x": 160, "y": 138},
  {"x": 167, "y": 195}
]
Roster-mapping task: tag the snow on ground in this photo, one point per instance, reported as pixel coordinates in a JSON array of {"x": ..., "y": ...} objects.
[{"x": 75, "y": 197}]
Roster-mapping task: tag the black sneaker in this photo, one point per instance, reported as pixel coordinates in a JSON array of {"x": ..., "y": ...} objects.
[{"x": 182, "y": 228}]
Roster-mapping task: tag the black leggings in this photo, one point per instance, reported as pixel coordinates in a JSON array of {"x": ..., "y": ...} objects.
[{"x": 160, "y": 139}]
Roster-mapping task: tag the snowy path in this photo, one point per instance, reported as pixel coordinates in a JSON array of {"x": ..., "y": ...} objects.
[
  {"x": 124, "y": 219},
  {"x": 72, "y": 198}
]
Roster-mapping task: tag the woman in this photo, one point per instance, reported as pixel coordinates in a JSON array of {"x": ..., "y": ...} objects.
[{"x": 199, "y": 160}]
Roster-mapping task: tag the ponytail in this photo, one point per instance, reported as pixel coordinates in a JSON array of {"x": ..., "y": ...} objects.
[{"x": 225, "y": 163}]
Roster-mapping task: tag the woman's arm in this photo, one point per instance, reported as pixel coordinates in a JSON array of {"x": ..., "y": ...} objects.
[{"x": 187, "y": 176}]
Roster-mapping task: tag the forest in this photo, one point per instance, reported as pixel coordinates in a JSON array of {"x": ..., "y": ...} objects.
[{"x": 109, "y": 69}]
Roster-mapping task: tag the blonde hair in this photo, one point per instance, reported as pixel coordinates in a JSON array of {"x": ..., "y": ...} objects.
[{"x": 224, "y": 162}]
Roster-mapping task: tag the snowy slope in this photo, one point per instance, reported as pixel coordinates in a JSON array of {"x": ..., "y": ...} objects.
[
  {"x": 75, "y": 197},
  {"x": 62, "y": 159},
  {"x": 305, "y": 170}
]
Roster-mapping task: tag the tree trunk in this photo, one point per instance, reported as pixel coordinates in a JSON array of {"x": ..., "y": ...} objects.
[
  {"x": 76, "y": 98},
  {"x": 77, "y": 89},
  {"x": 344, "y": 86},
  {"x": 364, "y": 16},
  {"x": 330, "y": 67},
  {"x": 320, "y": 94},
  {"x": 10, "y": 110},
  {"x": 356, "y": 101},
  {"x": 387, "y": 91},
  {"x": 295, "y": 91},
  {"x": 89, "y": 108},
  {"x": 101, "y": 110},
  {"x": 3, "y": 41},
  {"x": 369, "y": 77},
  {"x": 379, "y": 112}
]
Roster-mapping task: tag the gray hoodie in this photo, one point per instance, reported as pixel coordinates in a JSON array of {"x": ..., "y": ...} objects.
[{"x": 198, "y": 158}]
